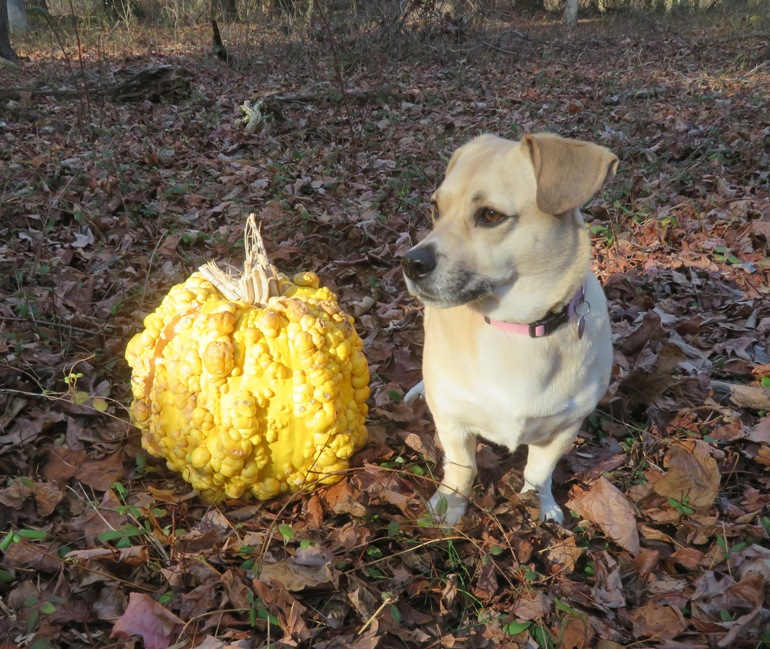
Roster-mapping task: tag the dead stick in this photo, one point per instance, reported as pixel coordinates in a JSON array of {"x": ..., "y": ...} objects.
[{"x": 743, "y": 396}]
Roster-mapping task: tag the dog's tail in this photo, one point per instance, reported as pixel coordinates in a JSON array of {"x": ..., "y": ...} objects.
[{"x": 415, "y": 393}]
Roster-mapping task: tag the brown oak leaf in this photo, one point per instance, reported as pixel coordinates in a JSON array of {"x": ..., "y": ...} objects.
[
  {"x": 693, "y": 475},
  {"x": 147, "y": 618},
  {"x": 604, "y": 504},
  {"x": 656, "y": 621}
]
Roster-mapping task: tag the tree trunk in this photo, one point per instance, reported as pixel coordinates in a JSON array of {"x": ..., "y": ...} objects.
[
  {"x": 224, "y": 9},
  {"x": 40, "y": 5},
  {"x": 17, "y": 16},
  {"x": 6, "y": 51},
  {"x": 571, "y": 12}
]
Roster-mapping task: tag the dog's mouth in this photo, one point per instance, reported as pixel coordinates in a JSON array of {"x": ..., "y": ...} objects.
[{"x": 463, "y": 288}]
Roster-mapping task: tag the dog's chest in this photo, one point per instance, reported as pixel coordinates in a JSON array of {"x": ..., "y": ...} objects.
[{"x": 514, "y": 390}]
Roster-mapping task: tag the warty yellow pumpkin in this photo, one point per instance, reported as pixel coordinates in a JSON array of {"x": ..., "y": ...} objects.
[{"x": 254, "y": 384}]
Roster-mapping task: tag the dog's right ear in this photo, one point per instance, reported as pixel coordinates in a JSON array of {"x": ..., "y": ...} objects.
[{"x": 568, "y": 172}]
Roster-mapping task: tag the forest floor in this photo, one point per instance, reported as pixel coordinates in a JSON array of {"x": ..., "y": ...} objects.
[{"x": 106, "y": 204}]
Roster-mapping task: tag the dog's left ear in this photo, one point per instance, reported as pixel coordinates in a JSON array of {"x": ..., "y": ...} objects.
[{"x": 568, "y": 172}]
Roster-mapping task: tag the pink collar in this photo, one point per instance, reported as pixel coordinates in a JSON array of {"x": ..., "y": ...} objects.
[{"x": 577, "y": 309}]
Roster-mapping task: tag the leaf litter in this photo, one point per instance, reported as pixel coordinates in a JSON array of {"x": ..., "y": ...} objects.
[{"x": 668, "y": 484}]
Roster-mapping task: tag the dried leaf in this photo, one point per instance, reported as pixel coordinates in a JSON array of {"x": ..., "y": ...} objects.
[
  {"x": 201, "y": 601},
  {"x": 761, "y": 432},
  {"x": 423, "y": 444},
  {"x": 95, "y": 520},
  {"x": 63, "y": 464},
  {"x": 14, "y": 407},
  {"x": 362, "y": 599},
  {"x": 102, "y": 474},
  {"x": 47, "y": 496},
  {"x": 295, "y": 577},
  {"x": 342, "y": 498},
  {"x": 608, "y": 591},
  {"x": 763, "y": 456},
  {"x": 291, "y": 614},
  {"x": 576, "y": 634},
  {"x": 40, "y": 557},
  {"x": 646, "y": 562},
  {"x": 602, "y": 503},
  {"x": 656, "y": 621},
  {"x": 563, "y": 555},
  {"x": 690, "y": 558},
  {"x": 315, "y": 512},
  {"x": 754, "y": 558},
  {"x": 197, "y": 541},
  {"x": 154, "y": 623},
  {"x": 693, "y": 475},
  {"x": 237, "y": 591},
  {"x": 136, "y": 555},
  {"x": 532, "y": 606},
  {"x": 388, "y": 486},
  {"x": 211, "y": 642},
  {"x": 110, "y": 603},
  {"x": 486, "y": 584},
  {"x": 17, "y": 493}
]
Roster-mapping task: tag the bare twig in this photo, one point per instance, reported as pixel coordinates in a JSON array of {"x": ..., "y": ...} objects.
[
  {"x": 82, "y": 65},
  {"x": 68, "y": 60},
  {"x": 60, "y": 325},
  {"x": 340, "y": 80}
]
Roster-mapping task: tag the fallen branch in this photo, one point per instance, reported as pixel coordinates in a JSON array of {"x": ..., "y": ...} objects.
[
  {"x": 155, "y": 84},
  {"x": 380, "y": 94},
  {"x": 743, "y": 396},
  {"x": 273, "y": 103},
  {"x": 17, "y": 94}
]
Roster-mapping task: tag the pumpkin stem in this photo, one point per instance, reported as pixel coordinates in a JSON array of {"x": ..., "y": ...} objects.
[{"x": 258, "y": 280}]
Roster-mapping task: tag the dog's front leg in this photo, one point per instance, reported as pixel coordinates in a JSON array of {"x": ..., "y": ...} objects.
[
  {"x": 541, "y": 461},
  {"x": 450, "y": 501}
]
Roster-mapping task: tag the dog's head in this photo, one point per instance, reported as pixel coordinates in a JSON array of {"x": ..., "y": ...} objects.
[{"x": 506, "y": 210}]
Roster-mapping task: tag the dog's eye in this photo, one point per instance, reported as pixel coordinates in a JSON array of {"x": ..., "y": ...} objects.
[{"x": 488, "y": 217}]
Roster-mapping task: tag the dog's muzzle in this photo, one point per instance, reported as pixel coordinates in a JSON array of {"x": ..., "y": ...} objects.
[{"x": 419, "y": 262}]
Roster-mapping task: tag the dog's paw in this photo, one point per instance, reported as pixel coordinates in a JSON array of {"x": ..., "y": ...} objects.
[
  {"x": 449, "y": 507},
  {"x": 549, "y": 508},
  {"x": 551, "y": 512}
]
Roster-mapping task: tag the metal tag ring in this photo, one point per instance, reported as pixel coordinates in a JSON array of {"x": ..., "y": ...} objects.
[{"x": 582, "y": 308}]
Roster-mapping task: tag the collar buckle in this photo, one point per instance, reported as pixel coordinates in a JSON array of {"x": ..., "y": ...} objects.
[{"x": 577, "y": 309}]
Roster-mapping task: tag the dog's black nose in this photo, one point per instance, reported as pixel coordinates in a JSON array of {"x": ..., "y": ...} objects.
[{"x": 419, "y": 262}]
